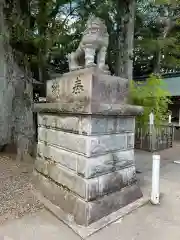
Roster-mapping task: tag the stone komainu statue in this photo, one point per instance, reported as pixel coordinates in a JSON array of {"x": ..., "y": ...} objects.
[{"x": 94, "y": 41}]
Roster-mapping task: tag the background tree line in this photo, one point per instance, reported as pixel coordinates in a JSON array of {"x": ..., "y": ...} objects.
[{"x": 143, "y": 33}]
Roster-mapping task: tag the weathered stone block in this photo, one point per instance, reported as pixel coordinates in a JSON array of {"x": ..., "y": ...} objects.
[
  {"x": 86, "y": 145},
  {"x": 130, "y": 140},
  {"x": 87, "y": 188},
  {"x": 112, "y": 124},
  {"x": 64, "y": 86},
  {"x": 83, "y": 166},
  {"x": 80, "y": 106},
  {"x": 99, "y": 93},
  {"x": 88, "y": 125},
  {"x": 80, "y": 211},
  {"x": 62, "y": 122},
  {"x": 95, "y": 86}
]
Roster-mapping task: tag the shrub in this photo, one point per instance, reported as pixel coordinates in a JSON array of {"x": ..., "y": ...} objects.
[{"x": 152, "y": 96}]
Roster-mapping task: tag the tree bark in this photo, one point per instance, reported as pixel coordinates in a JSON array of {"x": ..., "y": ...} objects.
[
  {"x": 157, "y": 62},
  {"x": 125, "y": 39},
  {"x": 16, "y": 98},
  {"x": 165, "y": 24},
  {"x": 6, "y": 89}
]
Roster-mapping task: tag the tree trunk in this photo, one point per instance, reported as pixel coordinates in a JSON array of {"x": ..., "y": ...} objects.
[
  {"x": 23, "y": 114},
  {"x": 125, "y": 39},
  {"x": 157, "y": 62},
  {"x": 16, "y": 98},
  {"x": 165, "y": 24},
  {"x": 6, "y": 89}
]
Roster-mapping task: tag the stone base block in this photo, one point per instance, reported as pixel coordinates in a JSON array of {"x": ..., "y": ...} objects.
[
  {"x": 84, "y": 231},
  {"x": 88, "y": 91},
  {"x": 80, "y": 211},
  {"x": 95, "y": 87},
  {"x": 86, "y": 145},
  {"x": 88, "y": 189},
  {"x": 87, "y": 124},
  {"x": 83, "y": 166}
]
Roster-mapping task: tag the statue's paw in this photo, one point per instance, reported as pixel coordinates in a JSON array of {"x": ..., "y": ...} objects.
[
  {"x": 104, "y": 69},
  {"x": 76, "y": 68},
  {"x": 90, "y": 65}
]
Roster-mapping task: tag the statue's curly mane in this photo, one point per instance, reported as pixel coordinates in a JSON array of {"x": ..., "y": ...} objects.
[
  {"x": 95, "y": 22},
  {"x": 94, "y": 39}
]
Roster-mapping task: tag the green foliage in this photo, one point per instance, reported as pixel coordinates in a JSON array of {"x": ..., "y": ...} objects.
[
  {"x": 152, "y": 97},
  {"x": 156, "y": 36},
  {"x": 47, "y": 30},
  {"x": 35, "y": 28}
]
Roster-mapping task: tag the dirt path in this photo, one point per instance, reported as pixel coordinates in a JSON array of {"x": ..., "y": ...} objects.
[{"x": 16, "y": 198}]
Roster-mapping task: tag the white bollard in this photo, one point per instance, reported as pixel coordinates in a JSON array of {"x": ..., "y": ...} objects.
[
  {"x": 169, "y": 119},
  {"x": 155, "y": 179}
]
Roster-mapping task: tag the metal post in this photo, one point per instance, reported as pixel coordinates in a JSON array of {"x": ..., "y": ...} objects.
[{"x": 155, "y": 179}]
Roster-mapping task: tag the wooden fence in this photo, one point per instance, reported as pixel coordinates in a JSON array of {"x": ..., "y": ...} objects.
[{"x": 154, "y": 139}]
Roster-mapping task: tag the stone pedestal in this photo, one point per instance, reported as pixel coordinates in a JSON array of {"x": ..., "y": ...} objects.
[{"x": 85, "y": 154}]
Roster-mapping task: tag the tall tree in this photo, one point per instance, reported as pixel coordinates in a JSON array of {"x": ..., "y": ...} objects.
[
  {"x": 125, "y": 38},
  {"x": 26, "y": 34},
  {"x": 119, "y": 17},
  {"x": 156, "y": 37}
]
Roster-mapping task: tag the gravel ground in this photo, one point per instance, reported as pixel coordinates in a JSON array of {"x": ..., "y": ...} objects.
[{"x": 16, "y": 198}]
